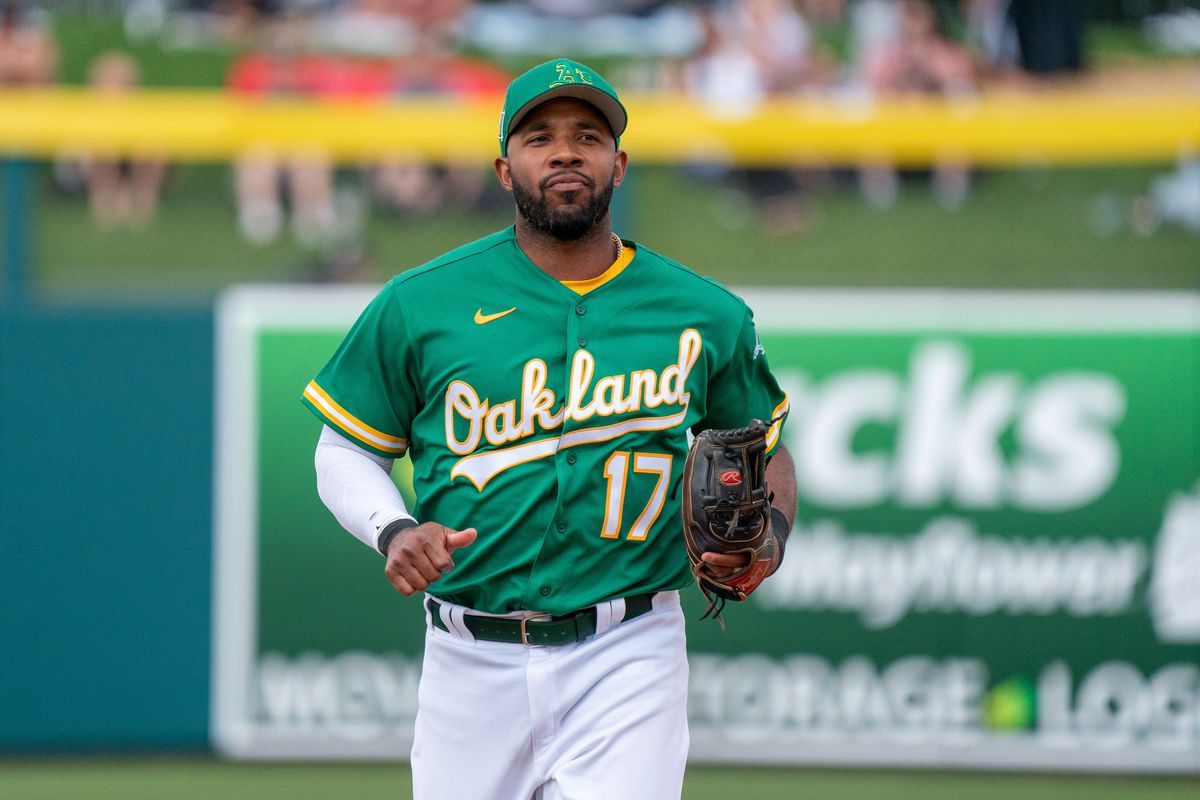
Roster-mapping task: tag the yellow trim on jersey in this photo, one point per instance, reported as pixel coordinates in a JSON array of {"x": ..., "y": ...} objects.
[
  {"x": 773, "y": 431},
  {"x": 352, "y": 424},
  {"x": 618, "y": 266},
  {"x": 479, "y": 468}
]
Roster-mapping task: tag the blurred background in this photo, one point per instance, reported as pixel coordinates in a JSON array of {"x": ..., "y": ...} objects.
[
  {"x": 155, "y": 153},
  {"x": 176, "y": 222}
]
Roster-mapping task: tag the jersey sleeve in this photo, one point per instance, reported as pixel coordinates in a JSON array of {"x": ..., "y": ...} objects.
[
  {"x": 366, "y": 391},
  {"x": 744, "y": 389}
]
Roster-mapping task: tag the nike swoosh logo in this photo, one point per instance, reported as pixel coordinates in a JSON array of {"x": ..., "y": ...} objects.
[{"x": 483, "y": 319}]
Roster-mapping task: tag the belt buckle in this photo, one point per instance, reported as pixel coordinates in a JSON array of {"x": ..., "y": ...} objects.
[{"x": 535, "y": 618}]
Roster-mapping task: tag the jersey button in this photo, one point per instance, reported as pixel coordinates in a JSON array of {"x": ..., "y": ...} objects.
[
  {"x": 571, "y": 458},
  {"x": 582, "y": 342},
  {"x": 580, "y": 310},
  {"x": 561, "y": 528},
  {"x": 545, "y": 590}
]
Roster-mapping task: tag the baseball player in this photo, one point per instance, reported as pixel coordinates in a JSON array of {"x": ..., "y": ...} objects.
[{"x": 543, "y": 381}]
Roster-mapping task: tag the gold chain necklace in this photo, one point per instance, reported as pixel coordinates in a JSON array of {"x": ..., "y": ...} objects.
[{"x": 620, "y": 246}]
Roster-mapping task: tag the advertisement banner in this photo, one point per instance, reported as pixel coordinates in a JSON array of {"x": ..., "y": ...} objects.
[{"x": 996, "y": 561}]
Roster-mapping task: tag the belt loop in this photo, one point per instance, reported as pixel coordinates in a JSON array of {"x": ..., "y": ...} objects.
[
  {"x": 614, "y": 610},
  {"x": 605, "y": 617},
  {"x": 618, "y": 611},
  {"x": 447, "y": 619},
  {"x": 455, "y": 622},
  {"x": 661, "y": 600}
]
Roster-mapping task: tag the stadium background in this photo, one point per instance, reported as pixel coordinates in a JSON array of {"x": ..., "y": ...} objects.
[{"x": 1078, "y": 181}]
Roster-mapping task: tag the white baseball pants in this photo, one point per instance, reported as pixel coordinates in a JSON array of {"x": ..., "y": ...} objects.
[{"x": 595, "y": 720}]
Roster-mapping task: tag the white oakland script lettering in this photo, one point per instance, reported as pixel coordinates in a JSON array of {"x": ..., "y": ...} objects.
[{"x": 611, "y": 395}]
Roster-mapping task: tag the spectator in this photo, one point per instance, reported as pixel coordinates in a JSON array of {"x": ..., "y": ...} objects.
[
  {"x": 408, "y": 184},
  {"x": 992, "y": 37},
  {"x": 121, "y": 192},
  {"x": 754, "y": 50},
  {"x": 381, "y": 48},
  {"x": 1050, "y": 34},
  {"x": 376, "y": 27},
  {"x": 264, "y": 178},
  {"x": 914, "y": 58},
  {"x": 918, "y": 59},
  {"x": 28, "y": 54}
]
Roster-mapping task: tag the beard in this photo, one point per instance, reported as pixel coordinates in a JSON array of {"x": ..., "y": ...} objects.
[{"x": 564, "y": 225}]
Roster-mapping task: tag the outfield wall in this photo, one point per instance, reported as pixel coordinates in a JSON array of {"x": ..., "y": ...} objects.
[
  {"x": 105, "y": 528},
  {"x": 996, "y": 561}
]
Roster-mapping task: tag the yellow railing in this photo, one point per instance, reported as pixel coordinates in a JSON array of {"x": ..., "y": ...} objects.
[{"x": 1047, "y": 127}]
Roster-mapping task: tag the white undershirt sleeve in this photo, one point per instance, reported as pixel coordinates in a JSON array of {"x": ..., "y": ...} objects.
[{"x": 356, "y": 485}]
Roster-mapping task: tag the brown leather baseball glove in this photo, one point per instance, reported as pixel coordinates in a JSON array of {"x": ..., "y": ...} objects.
[{"x": 726, "y": 509}]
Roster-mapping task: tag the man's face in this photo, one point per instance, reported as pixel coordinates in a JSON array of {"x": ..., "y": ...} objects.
[{"x": 562, "y": 167}]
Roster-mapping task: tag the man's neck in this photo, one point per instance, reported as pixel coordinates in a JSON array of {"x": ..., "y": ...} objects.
[{"x": 578, "y": 260}]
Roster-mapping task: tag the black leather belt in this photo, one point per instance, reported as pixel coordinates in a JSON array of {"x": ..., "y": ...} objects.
[{"x": 541, "y": 629}]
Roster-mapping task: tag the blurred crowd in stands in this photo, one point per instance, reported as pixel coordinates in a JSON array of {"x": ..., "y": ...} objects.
[{"x": 731, "y": 55}]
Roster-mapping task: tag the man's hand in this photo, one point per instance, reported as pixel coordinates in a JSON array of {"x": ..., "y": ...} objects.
[
  {"x": 421, "y": 555},
  {"x": 722, "y": 565}
]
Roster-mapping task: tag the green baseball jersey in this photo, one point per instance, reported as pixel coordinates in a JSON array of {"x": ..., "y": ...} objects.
[{"x": 555, "y": 423}]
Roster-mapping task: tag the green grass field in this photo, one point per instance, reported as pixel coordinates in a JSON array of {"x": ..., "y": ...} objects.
[
  {"x": 1018, "y": 229},
  {"x": 184, "y": 779}
]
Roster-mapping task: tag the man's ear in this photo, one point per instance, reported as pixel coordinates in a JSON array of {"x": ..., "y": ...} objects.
[
  {"x": 619, "y": 166},
  {"x": 504, "y": 173}
]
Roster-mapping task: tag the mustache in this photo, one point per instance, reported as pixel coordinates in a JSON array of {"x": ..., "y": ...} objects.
[{"x": 545, "y": 182}]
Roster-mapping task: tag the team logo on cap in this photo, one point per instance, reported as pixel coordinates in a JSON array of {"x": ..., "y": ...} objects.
[
  {"x": 730, "y": 477},
  {"x": 568, "y": 75}
]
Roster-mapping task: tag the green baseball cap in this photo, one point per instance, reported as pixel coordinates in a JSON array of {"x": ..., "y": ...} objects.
[{"x": 561, "y": 77}]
